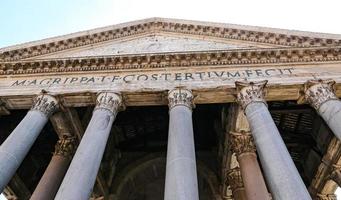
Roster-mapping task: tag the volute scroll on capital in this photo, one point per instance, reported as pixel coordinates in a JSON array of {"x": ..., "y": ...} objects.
[
  {"x": 249, "y": 92},
  {"x": 45, "y": 103},
  {"x": 317, "y": 92},
  {"x": 180, "y": 96},
  {"x": 241, "y": 143},
  {"x": 110, "y": 101}
]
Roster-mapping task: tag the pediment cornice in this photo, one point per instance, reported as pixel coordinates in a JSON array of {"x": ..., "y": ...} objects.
[
  {"x": 275, "y": 37},
  {"x": 244, "y": 57}
]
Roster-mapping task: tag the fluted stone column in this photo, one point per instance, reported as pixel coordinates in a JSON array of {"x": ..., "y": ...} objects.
[
  {"x": 81, "y": 175},
  {"x": 242, "y": 145},
  {"x": 279, "y": 169},
  {"x": 181, "y": 173},
  {"x": 235, "y": 181},
  {"x": 14, "y": 149},
  {"x": 55, "y": 171},
  {"x": 321, "y": 96}
]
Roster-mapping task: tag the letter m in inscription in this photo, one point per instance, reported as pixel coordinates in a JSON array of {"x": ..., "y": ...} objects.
[{"x": 19, "y": 83}]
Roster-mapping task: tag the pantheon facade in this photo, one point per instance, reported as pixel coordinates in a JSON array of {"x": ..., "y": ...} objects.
[{"x": 172, "y": 109}]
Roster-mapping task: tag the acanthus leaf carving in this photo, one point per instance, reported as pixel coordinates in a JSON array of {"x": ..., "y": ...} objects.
[
  {"x": 241, "y": 143},
  {"x": 249, "y": 92},
  {"x": 318, "y": 92},
  {"x": 66, "y": 146},
  {"x": 45, "y": 104},
  {"x": 234, "y": 179},
  {"x": 109, "y": 101},
  {"x": 180, "y": 96}
]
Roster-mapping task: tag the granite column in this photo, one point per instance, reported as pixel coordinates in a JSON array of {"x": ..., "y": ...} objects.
[
  {"x": 14, "y": 149},
  {"x": 242, "y": 145},
  {"x": 181, "y": 173},
  {"x": 81, "y": 175},
  {"x": 279, "y": 169},
  {"x": 55, "y": 171}
]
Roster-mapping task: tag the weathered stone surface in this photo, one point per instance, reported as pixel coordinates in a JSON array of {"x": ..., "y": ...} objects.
[{"x": 149, "y": 44}]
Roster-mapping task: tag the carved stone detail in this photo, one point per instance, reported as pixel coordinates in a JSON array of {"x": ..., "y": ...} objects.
[
  {"x": 234, "y": 179},
  {"x": 180, "y": 96},
  {"x": 248, "y": 92},
  {"x": 161, "y": 25},
  {"x": 66, "y": 146},
  {"x": 326, "y": 197},
  {"x": 241, "y": 143},
  {"x": 318, "y": 92},
  {"x": 45, "y": 104},
  {"x": 168, "y": 60},
  {"x": 109, "y": 101}
]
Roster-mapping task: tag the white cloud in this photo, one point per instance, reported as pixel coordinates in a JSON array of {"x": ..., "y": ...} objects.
[{"x": 2, "y": 197}]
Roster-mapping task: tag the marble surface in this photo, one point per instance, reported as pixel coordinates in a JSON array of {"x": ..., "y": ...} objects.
[{"x": 148, "y": 44}]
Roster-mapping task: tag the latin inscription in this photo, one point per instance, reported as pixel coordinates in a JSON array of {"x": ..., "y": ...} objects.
[{"x": 141, "y": 77}]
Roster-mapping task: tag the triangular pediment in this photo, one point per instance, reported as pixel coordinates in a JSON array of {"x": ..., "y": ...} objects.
[
  {"x": 153, "y": 43},
  {"x": 158, "y": 35}
]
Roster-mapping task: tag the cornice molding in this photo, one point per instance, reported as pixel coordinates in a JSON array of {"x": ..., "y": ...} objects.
[
  {"x": 158, "y": 25},
  {"x": 162, "y": 60}
]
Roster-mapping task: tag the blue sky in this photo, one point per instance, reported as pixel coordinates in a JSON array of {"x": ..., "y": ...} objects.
[{"x": 28, "y": 20}]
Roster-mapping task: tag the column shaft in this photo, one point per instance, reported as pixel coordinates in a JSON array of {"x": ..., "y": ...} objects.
[
  {"x": 254, "y": 184},
  {"x": 330, "y": 111},
  {"x": 55, "y": 171},
  {"x": 241, "y": 143},
  {"x": 52, "y": 178},
  {"x": 181, "y": 174},
  {"x": 81, "y": 175},
  {"x": 279, "y": 169},
  {"x": 14, "y": 149}
]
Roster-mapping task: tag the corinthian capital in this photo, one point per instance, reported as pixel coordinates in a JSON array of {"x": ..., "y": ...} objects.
[
  {"x": 109, "y": 101},
  {"x": 180, "y": 96},
  {"x": 66, "y": 146},
  {"x": 241, "y": 143},
  {"x": 234, "y": 179},
  {"x": 45, "y": 104},
  {"x": 318, "y": 92},
  {"x": 249, "y": 92}
]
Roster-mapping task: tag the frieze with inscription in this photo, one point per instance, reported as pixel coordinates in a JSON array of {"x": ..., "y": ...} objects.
[{"x": 140, "y": 77}]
